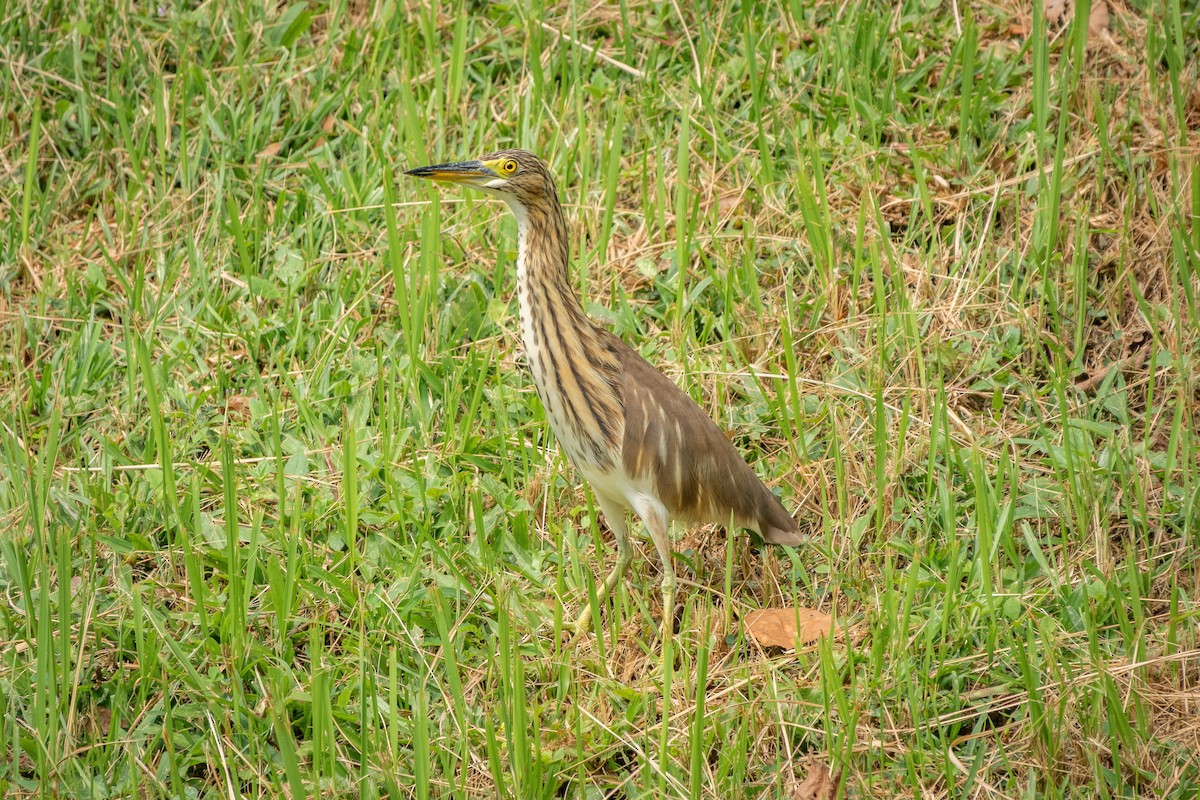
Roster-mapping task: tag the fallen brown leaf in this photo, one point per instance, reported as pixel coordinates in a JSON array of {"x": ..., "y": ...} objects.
[
  {"x": 1056, "y": 11},
  {"x": 271, "y": 150},
  {"x": 238, "y": 405},
  {"x": 782, "y": 627},
  {"x": 1059, "y": 11},
  {"x": 328, "y": 123},
  {"x": 819, "y": 784},
  {"x": 728, "y": 201},
  {"x": 1098, "y": 18},
  {"x": 102, "y": 720}
]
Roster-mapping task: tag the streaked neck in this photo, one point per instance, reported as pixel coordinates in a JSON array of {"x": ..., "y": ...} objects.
[
  {"x": 572, "y": 367},
  {"x": 543, "y": 282}
]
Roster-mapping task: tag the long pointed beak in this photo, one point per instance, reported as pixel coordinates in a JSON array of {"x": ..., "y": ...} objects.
[{"x": 456, "y": 172}]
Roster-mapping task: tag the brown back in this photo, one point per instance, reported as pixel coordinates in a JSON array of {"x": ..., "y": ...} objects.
[{"x": 695, "y": 471}]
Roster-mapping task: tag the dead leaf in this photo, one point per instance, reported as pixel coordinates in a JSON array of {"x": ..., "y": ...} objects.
[
  {"x": 328, "y": 123},
  {"x": 1059, "y": 11},
  {"x": 238, "y": 405},
  {"x": 271, "y": 150},
  {"x": 782, "y": 627},
  {"x": 1056, "y": 11},
  {"x": 728, "y": 201},
  {"x": 819, "y": 784},
  {"x": 102, "y": 721},
  {"x": 1098, "y": 19},
  {"x": 1020, "y": 29}
]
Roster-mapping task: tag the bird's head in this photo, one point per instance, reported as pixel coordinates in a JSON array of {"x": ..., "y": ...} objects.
[{"x": 516, "y": 176}]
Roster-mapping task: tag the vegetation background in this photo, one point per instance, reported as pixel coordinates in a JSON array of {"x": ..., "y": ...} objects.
[{"x": 281, "y": 514}]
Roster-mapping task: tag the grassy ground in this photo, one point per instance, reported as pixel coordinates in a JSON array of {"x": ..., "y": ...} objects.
[{"x": 281, "y": 514}]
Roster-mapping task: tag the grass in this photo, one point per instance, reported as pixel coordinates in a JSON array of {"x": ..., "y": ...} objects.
[{"x": 281, "y": 513}]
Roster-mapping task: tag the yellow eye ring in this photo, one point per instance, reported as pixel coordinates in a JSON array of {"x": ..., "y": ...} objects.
[{"x": 509, "y": 166}]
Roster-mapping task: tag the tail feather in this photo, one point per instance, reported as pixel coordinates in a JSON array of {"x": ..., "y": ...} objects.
[
  {"x": 790, "y": 538},
  {"x": 775, "y": 526}
]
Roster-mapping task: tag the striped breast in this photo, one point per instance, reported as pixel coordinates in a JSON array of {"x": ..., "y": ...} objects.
[{"x": 575, "y": 370}]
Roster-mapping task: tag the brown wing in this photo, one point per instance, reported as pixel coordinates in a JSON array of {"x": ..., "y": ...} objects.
[{"x": 696, "y": 473}]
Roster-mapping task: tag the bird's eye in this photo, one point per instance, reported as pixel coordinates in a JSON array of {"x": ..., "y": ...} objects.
[{"x": 509, "y": 167}]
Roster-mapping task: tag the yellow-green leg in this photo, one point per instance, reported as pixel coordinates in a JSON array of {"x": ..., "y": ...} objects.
[
  {"x": 614, "y": 513},
  {"x": 660, "y": 534}
]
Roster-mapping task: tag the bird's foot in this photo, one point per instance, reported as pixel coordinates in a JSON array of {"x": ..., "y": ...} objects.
[
  {"x": 583, "y": 623},
  {"x": 581, "y": 627}
]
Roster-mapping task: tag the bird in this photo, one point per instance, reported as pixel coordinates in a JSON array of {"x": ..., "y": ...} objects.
[{"x": 638, "y": 439}]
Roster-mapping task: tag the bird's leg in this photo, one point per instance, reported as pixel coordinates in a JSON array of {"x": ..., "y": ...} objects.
[
  {"x": 654, "y": 514},
  {"x": 615, "y": 514},
  {"x": 662, "y": 542}
]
